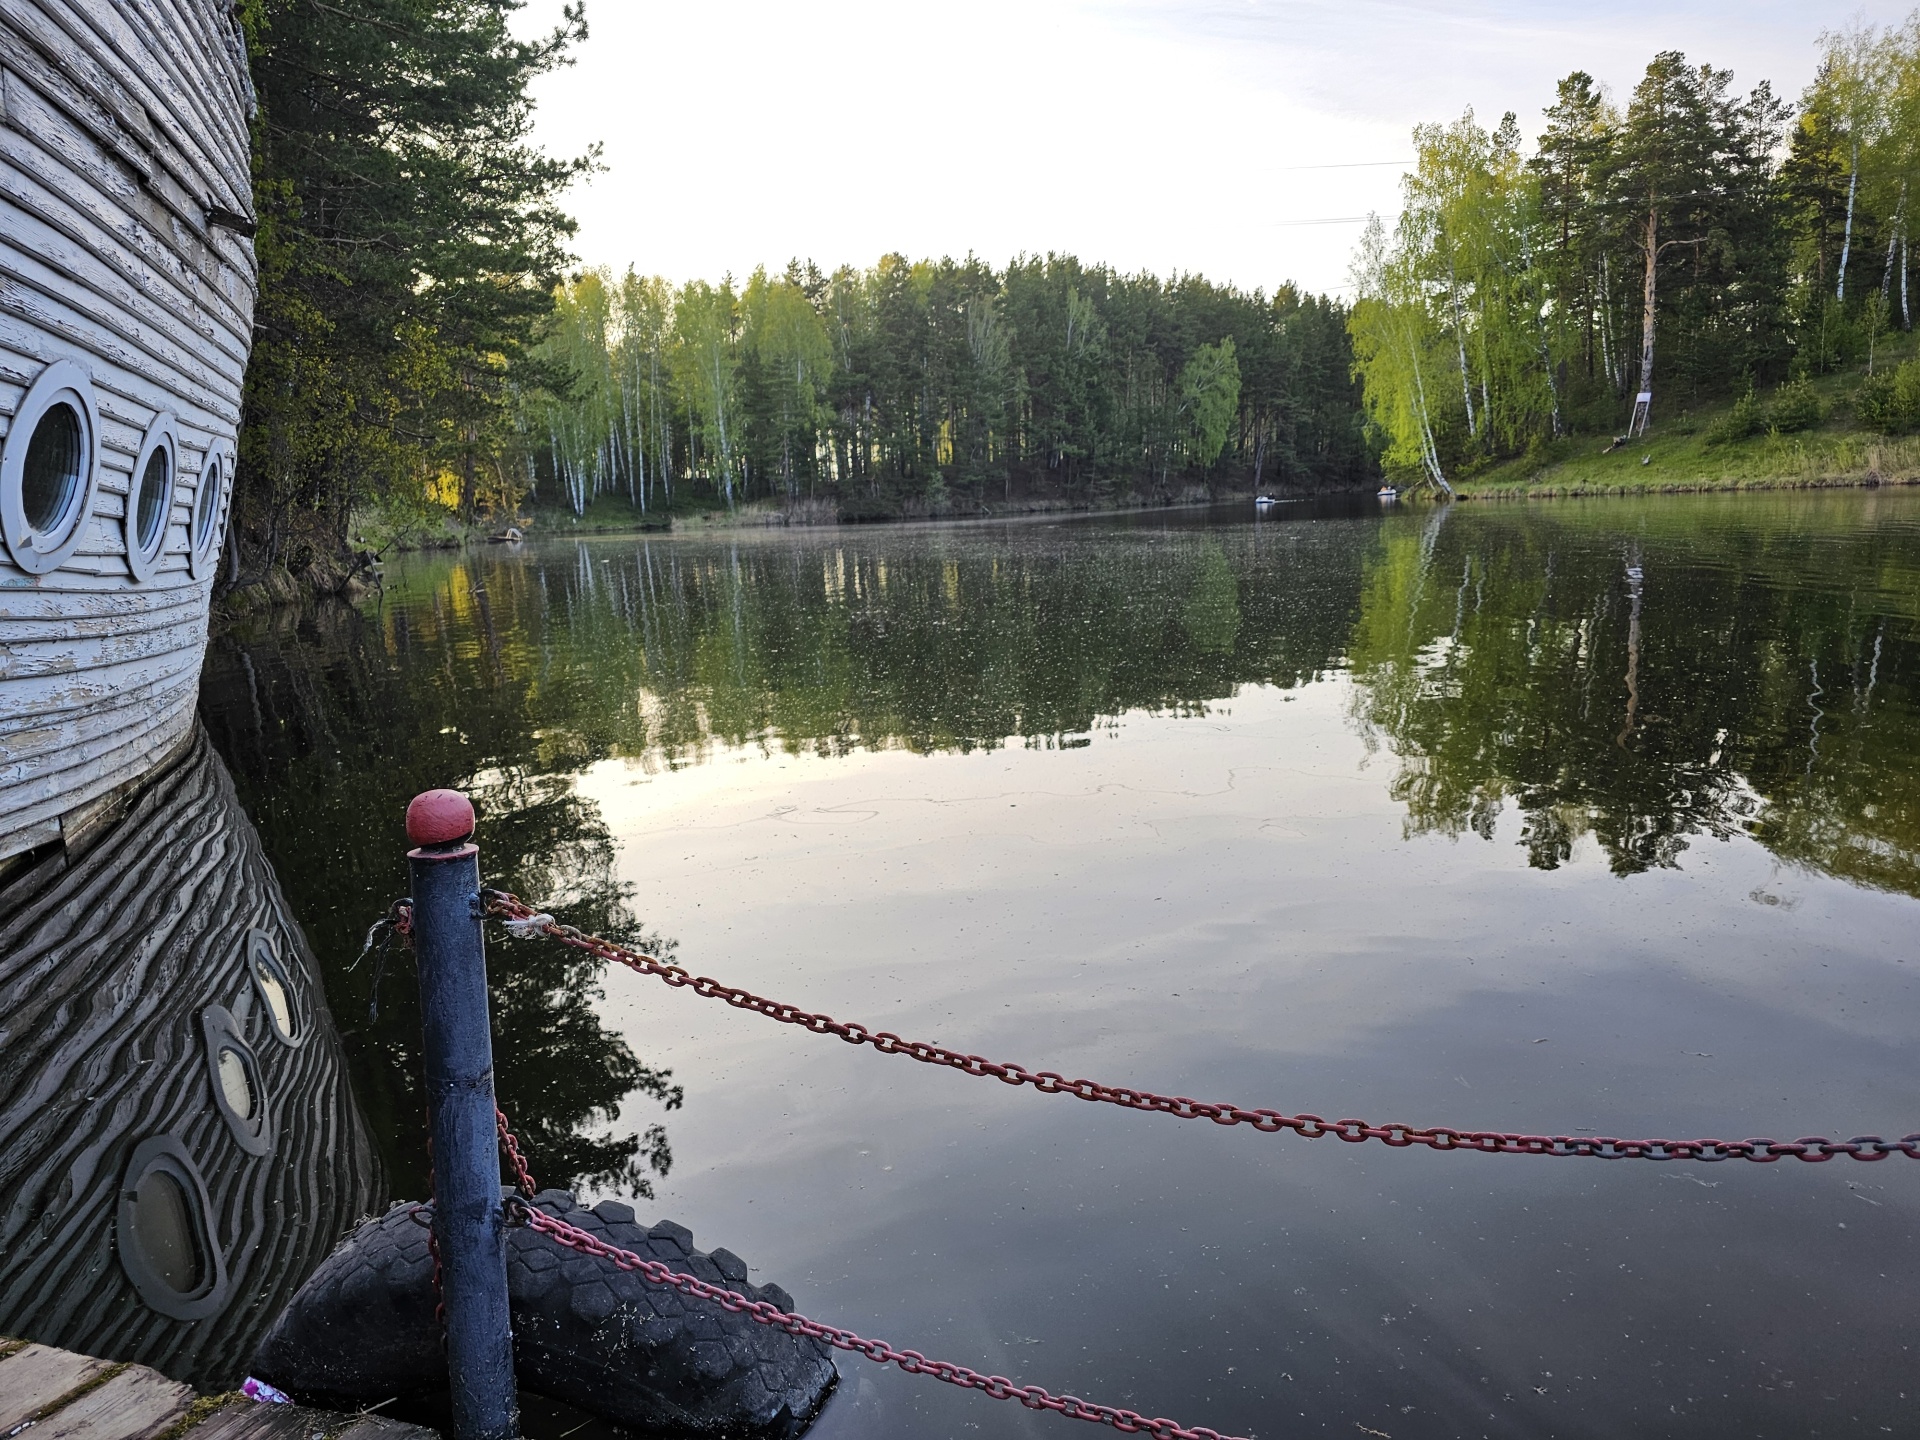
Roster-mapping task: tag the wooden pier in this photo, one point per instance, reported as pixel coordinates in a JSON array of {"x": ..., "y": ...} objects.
[{"x": 58, "y": 1395}]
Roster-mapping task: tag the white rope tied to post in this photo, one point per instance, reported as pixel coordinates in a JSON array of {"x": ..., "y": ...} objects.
[{"x": 530, "y": 927}]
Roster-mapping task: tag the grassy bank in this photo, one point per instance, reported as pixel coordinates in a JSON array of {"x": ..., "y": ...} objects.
[{"x": 1687, "y": 450}]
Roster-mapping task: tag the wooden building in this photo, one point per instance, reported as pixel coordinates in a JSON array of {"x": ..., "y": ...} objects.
[{"x": 127, "y": 283}]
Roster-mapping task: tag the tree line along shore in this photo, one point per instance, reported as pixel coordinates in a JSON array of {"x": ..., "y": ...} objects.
[{"x": 428, "y": 360}]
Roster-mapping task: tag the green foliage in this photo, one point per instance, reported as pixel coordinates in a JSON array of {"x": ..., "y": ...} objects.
[
  {"x": 1747, "y": 417},
  {"x": 409, "y": 240},
  {"x": 1890, "y": 401},
  {"x": 1210, "y": 397},
  {"x": 1691, "y": 244},
  {"x": 926, "y": 387},
  {"x": 1795, "y": 406}
]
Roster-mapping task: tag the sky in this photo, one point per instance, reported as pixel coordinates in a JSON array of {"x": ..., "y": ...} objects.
[{"x": 1164, "y": 135}]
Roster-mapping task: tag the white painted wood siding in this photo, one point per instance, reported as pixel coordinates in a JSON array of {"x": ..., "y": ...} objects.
[{"x": 123, "y": 125}]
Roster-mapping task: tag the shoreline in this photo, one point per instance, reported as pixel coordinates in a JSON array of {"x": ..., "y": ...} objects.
[{"x": 1468, "y": 490}]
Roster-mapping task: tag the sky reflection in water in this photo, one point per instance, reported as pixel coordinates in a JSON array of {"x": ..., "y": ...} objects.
[{"x": 1354, "y": 814}]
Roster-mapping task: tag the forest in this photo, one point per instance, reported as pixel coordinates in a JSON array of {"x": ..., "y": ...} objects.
[
  {"x": 1694, "y": 243},
  {"x": 423, "y": 349},
  {"x": 937, "y": 387}
]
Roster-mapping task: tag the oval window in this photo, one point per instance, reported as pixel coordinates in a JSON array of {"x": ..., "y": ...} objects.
[
  {"x": 56, "y": 456},
  {"x": 150, "y": 503},
  {"x": 234, "y": 1085},
  {"x": 163, "y": 1229},
  {"x": 163, "y": 1236},
  {"x": 239, "y": 1090},
  {"x": 206, "y": 504},
  {"x": 275, "y": 988},
  {"x": 50, "y": 469}
]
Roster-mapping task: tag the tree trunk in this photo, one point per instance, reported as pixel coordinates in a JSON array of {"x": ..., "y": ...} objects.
[
  {"x": 1846, "y": 240},
  {"x": 1646, "y": 318},
  {"x": 1460, "y": 338},
  {"x": 1893, "y": 241}
]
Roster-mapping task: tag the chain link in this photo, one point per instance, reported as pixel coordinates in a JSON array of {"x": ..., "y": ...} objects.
[
  {"x": 1814, "y": 1149},
  {"x": 879, "y": 1351}
]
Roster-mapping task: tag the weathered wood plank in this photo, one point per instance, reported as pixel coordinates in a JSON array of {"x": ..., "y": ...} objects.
[
  {"x": 123, "y": 602},
  {"x": 219, "y": 84},
  {"x": 47, "y": 328},
  {"x": 149, "y": 612},
  {"x": 33, "y": 1378},
  {"x": 40, "y": 225},
  {"x": 171, "y": 216},
  {"x": 130, "y": 230},
  {"x": 297, "y": 1422},
  {"x": 33, "y": 290},
  {"x": 136, "y": 1403},
  {"x": 83, "y": 45},
  {"x": 216, "y": 87},
  {"x": 84, "y": 770},
  {"x": 75, "y": 655},
  {"x": 203, "y": 264}
]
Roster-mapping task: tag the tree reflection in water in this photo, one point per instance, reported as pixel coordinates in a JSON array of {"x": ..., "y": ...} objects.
[
  {"x": 329, "y": 733},
  {"x": 1643, "y": 674},
  {"x": 1654, "y": 681}
]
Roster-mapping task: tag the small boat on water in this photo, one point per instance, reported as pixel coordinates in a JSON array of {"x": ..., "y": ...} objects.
[
  {"x": 1262, "y": 502},
  {"x": 126, "y": 316},
  {"x": 1388, "y": 492}
]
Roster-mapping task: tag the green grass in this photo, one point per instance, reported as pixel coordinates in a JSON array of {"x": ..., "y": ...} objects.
[
  {"x": 1675, "y": 455},
  {"x": 607, "y": 514}
]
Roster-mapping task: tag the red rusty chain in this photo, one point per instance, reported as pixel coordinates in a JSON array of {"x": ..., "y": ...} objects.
[
  {"x": 878, "y": 1351},
  {"x": 1811, "y": 1148},
  {"x": 511, "y": 1145}
]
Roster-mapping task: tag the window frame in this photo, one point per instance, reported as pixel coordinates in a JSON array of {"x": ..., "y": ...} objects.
[
  {"x": 162, "y": 434},
  {"x": 167, "y": 1154},
  {"x": 216, "y": 460},
  {"x": 41, "y": 552}
]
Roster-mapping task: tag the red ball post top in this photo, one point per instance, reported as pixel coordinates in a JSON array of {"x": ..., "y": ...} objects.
[{"x": 439, "y": 817}]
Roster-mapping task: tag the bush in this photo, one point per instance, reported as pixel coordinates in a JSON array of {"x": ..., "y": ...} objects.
[
  {"x": 1795, "y": 407},
  {"x": 1890, "y": 401},
  {"x": 1746, "y": 418},
  {"x": 1873, "y": 404}
]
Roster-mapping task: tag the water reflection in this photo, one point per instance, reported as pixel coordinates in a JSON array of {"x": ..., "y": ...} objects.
[
  {"x": 1551, "y": 817},
  {"x": 171, "y": 1164},
  {"x": 330, "y": 729},
  {"x": 1656, "y": 682}
]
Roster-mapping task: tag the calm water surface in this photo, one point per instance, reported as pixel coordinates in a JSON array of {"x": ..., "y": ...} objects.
[{"x": 1593, "y": 816}]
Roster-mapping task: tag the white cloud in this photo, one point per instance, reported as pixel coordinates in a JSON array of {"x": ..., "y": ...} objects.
[{"x": 1147, "y": 133}]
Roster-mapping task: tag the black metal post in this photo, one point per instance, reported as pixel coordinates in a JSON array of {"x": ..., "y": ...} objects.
[{"x": 468, "y": 1223}]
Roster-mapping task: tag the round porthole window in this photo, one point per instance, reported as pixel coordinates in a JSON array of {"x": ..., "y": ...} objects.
[
  {"x": 208, "y": 505},
  {"x": 275, "y": 989},
  {"x": 162, "y": 1235},
  {"x": 50, "y": 469},
  {"x": 150, "y": 501},
  {"x": 239, "y": 1093}
]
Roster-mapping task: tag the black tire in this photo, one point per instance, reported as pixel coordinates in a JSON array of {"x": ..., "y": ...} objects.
[{"x": 584, "y": 1331}]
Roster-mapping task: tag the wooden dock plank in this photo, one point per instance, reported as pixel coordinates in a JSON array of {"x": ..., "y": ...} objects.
[
  {"x": 296, "y": 1422},
  {"x": 134, "y": 1404},
  {"x": 33, "y": 1378}
]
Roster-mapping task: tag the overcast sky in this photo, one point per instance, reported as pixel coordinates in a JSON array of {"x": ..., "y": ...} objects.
[{"x": 1152, "y": 134}]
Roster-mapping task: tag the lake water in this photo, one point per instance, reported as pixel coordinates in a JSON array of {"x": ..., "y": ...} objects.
[{"x": 1588, "y": 816}]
